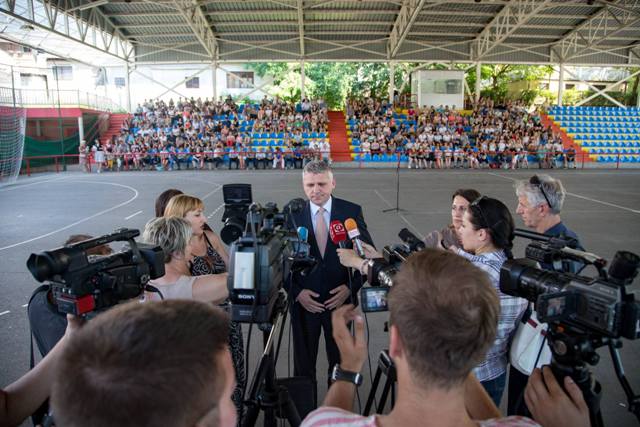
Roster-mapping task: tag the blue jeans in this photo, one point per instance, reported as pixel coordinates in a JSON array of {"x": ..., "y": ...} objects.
[{"x": 495, "y": 388}]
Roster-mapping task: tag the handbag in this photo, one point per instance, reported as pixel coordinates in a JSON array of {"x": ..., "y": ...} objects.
[{"x": 529, "y": 347}]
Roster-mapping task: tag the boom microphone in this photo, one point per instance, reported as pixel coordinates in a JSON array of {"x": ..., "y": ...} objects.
[
  {"x": 354, "y": 235},
  {"x": 338, "y": 234}
]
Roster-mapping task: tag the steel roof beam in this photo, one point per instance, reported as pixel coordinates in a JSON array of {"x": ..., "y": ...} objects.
[
  {"x": 401, "y": 27},
  {"x": 300, "y": 11},
  {"x": 195, "y": 17},
  {"x": 510, "y": 18},
  {"x": 598, "y": 28}
]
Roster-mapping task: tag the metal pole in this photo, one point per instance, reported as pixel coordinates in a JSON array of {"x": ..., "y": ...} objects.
[
  {"x": 128, "y": 83},
  {"x": 392, "y": 81},
  {"x": 302, "y": 94},
  {"x": 64, "y": 163},
  {"x": 80, "y": 128},
  {"x": 214, "y": 80},
  {"x": 478, "y": 81},
  {"x": 560, "y": 84},
  {"x": 15, "y": 112}
]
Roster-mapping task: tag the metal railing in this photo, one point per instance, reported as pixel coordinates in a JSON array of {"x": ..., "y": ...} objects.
[{"x": 65, "y": 98}]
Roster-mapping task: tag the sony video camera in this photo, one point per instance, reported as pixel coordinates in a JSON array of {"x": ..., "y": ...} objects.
[
  {"x": 599, "y": 305},
  {"x": 261, "y": 260},
  {"x": 237, "y": 199},
  {"x": 380, "y": 271},
  {"x": 84, "y": 284}
]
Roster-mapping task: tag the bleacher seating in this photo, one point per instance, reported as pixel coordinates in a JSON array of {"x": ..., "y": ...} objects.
[
  {"x": 400, "y": 116},
  {"x": 608, "y": 134}
]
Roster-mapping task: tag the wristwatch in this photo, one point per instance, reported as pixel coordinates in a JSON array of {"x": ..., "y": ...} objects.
[{"x": 339, "y": 374}]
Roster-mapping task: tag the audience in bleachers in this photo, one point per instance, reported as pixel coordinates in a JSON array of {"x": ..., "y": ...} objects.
[
  {"x": 444, "y": 138},
  {"x": 196, "y": 134}
]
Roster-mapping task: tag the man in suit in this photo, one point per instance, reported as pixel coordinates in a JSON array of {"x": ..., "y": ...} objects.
[{"x": 329, "y": 285}]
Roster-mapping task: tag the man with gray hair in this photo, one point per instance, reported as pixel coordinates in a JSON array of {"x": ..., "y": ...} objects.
[
  {"x": 329, "y": 285},
  {"x": 540, "y": 201}
]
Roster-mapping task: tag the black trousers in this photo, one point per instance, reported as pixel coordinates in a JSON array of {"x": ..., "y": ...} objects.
[
  {"x": 515, "y": 402},
  {"x": 306, "y": 329}
]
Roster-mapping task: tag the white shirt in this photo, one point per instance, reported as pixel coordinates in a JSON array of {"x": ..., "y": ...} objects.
[{"x": 327, "y": 213}]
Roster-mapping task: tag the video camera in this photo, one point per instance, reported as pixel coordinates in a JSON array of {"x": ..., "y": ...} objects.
[
  {"x": 380, "y": 271},
  {"x": 263, "y": 257},
  {"x": 86, "y": 284},
  {"x": 583, "y": 313}
]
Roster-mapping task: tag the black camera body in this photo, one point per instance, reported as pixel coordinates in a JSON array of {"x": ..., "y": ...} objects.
[
  {"x": 237, "y": 199},
  {"x": 381, "y": 271},
  {"x": 84, "y": 284},
  {"x": 262, "y": 259}
]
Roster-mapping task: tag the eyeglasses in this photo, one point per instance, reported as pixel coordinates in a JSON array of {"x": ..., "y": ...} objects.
[
  {"x": 535, "y": 181},
  {"x": 476, "y": 204}
]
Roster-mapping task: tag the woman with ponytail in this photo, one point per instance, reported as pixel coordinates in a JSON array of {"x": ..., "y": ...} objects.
[{"x": 486, "y": 234}]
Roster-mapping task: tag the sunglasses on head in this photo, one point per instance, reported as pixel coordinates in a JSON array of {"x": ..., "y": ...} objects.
[
  {"x": 476, "y": 204},
  {"x": 535, "y": 181}
]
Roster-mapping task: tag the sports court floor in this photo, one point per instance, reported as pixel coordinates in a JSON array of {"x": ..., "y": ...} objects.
[{"x": 39, "y": 212}]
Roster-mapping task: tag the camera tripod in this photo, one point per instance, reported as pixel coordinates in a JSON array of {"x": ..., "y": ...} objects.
[
  {"x": 386, "y": 367},
  {"x": 265, "y": 394}
]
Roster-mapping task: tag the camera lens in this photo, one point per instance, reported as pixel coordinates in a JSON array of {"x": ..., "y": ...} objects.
[
  {"x": 232, "y": 230},
  {"x": 47, "y": 264}
]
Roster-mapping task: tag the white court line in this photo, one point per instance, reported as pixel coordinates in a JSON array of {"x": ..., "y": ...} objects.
[
  {"x": 135, "y": 196},
  {"x": 636, "y": 211},
  {"x": 400, "y": 215},
  {"x": 19, "y": 186},
  {"x": 5, "y": 312},
  {"x": 132, "y": 215},
  {"x": 212, "y": 192},
  {"x": 214, "y": 212}
]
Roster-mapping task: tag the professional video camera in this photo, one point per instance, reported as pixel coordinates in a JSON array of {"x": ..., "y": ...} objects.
[
  {"x": 85, "y": 284},
  {"x": 263, "y": 258},
  {"x": 237, "y": 199},
  {"x": 583, "y": 313},
  {"x": 380, "y": 271}
]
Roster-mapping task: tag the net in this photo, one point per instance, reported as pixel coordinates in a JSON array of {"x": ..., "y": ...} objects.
[{"x": 13, "y": 119}]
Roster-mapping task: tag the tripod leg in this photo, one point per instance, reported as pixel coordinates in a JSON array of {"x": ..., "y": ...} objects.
[
  {"x": 251, "y": 416},
  {"x": 288, "y": 409},
  {"x": 372, "y": 393},
  {"x": 385, "y": 392}
]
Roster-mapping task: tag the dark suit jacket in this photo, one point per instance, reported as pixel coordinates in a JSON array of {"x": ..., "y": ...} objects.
[{"x": 329, "y": 274}]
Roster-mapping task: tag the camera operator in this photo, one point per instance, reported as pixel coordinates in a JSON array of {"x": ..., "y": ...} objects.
[
  {"x": 156, "y": 364},
  {"x": 21, "y": 398},
  {"x": 326, "y": 288},
  {"x": 173, "y": 235},
  {"x": 540, "y": 201},
  {"x": 444, "y": 313},
  {"x": 448, "y": 236}
]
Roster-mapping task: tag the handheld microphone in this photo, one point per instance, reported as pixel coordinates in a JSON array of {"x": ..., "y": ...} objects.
[
  {"x": 415, "y": 244},
  {"x": 338, "y": 234},
  {"x": 302, "y": 245},
  {"x": 303, "y": 234},
  {"x": 354, "y": 235}
]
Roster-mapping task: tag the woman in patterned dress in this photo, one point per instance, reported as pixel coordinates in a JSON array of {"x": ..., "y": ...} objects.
[{"x": 210, "y": 257}]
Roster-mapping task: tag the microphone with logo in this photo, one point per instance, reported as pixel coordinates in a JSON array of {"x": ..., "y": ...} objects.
[
  {"x": 338, "y": 234},
  {"x": 354, "y": 235}
]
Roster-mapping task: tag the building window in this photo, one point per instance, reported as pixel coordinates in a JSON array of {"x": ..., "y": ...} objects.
[
  {"x": 120, "y": 82},
  {"x": 569, "y": 86},
  {"x": 233, "y": 82},
  {"x": 63, "y": 72},
  {"x": 193, "y": 83},
  {"x": 28, "y": 79}
]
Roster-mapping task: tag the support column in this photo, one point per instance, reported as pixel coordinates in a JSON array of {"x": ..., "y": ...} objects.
[
  {"x": 80, "y": 128},
  {"x": 302, "y": 94},
  {"x": 128, "y": 83},
  {"x": 560, "y": 85},
  {"x": 478, "y": 81},
  {"x": 392, "y": 80},
  {"x": 214, "y": 80}
]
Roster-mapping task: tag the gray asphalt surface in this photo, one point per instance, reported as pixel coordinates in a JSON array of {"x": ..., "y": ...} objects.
[{"x": 38, "y": 213}]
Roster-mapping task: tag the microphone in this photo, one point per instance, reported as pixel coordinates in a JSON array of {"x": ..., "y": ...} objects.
[
  {"x": 415, "y": 244},
  {"x": 303, "y": 234},
  {"x": 338, "y": 234},
  {"x": 354, "y": 235}
]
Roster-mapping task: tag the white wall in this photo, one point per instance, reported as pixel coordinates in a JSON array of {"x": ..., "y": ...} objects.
[
  {"x": 434, "y": 87},
  {"x": 174, "y": 75}
]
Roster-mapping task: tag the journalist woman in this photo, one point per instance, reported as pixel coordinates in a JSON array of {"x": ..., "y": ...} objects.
[
  {"x": 209, "y": 256},
  {"x": 173, "y": 235},
  {"x": 448, "y": 236},
  {"x": 486, "y": 235}
]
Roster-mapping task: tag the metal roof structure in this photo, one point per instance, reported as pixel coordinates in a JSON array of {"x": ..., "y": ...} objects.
[{"x": 577, "y": 32}]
